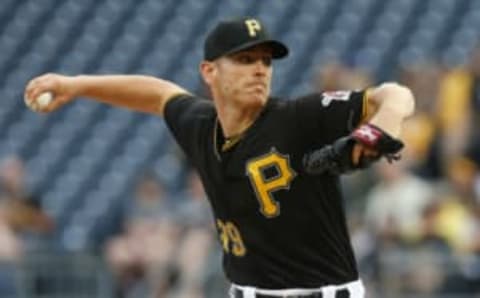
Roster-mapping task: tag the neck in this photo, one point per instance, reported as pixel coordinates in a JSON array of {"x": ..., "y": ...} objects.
[{"x": 235, "y": 121}]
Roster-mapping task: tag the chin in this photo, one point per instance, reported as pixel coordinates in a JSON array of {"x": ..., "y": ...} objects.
[{"x": 256, "y": 100}]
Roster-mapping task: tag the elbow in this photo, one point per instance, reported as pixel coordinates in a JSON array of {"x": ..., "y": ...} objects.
[{"x": 397, "y": 97}]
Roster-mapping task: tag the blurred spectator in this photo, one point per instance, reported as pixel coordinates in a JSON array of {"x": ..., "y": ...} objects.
[
  {"x": 337, "y": 76},
  {"x": 396, "y": 202},
  {"x": 421, "y": 131},
  {"x": 454, "y": 217},
  {"x": 21, "y": 209},
  {"x": 22, "y": 222},
  {"x": 458, "y": 218},
  {"x": 165, "y": 247},
  {"x": 471, "y": 268},
  {"x": 451, "y": 220},
  {"x": 392, "y": 219},
  {"x": 140, "y": 257},
  {"x": 11, "y": 188},
  {"x": 459, "y": 110},
  {"x": 12, "y": 177},
  {"x": 9, "y": 243},
  {"x": 197, "y": 238}
]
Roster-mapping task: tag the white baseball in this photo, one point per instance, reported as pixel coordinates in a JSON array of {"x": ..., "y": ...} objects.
[{"x": 44, "y": 99}]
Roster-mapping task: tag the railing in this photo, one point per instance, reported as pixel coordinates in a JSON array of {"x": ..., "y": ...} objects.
[
  {"x": 55, "y": 276},
  {"x": 400, "y": 274},
  {"x": 424, "y": 274}
]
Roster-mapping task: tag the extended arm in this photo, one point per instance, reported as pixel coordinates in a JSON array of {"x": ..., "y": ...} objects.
[{"x": 135, "y": 92}]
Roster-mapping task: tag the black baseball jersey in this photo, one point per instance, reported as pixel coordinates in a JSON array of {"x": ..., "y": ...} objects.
[{"x": 279, "y": 227}]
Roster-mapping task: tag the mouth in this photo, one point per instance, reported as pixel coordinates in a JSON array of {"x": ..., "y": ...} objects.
[{"x": 257, "y": 85}]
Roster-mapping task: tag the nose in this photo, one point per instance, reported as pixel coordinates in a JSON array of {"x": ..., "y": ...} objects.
[{"x": 260, "y": 67}]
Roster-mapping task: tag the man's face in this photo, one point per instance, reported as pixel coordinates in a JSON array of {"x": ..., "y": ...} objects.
[{"x": 243, "y": 77}]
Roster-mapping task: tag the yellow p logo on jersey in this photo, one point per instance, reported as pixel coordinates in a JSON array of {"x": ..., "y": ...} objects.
[
  {"x": 264, "y": 187},
  {"x": 253, "y": 27}
]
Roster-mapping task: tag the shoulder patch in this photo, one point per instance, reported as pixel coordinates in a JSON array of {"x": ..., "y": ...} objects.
[{"x": 327, "y": 97}]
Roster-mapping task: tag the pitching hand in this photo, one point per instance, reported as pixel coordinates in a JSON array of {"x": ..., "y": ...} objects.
[{"x": 61, "y": 87}]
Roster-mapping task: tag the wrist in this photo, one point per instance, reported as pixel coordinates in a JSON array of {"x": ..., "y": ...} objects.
[{"x": 77, "y": 85}]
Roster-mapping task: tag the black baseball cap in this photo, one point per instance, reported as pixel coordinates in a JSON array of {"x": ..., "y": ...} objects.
[{"x": 234, "y": 35}]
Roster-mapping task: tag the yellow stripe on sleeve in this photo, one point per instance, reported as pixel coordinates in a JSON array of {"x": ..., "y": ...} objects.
[{"x": 365, "y": 104}]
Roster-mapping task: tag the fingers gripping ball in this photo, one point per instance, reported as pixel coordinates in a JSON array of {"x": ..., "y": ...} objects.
[{"x": 41, "y": 102}]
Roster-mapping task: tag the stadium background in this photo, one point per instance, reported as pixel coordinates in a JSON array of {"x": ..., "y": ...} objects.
[{"x": 83, "y": 165}]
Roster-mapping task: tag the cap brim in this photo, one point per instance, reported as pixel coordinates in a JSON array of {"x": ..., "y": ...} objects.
[{"x": 279, "y": 50}]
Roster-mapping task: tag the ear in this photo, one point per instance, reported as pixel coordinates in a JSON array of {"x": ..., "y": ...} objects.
[{"x": 208, "y": 70}]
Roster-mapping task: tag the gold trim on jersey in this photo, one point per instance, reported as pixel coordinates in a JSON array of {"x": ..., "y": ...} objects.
[
  {"x": 365, "y": 103},
  {"x": 231, "y": 141},
  {"x": 215, "y": 137},
  {"x": 228, "y": 143}
]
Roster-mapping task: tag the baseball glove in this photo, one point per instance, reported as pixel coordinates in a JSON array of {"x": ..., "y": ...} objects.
[{"x": 336, "y": 158}]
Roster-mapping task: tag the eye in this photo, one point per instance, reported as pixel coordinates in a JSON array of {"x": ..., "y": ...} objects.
[
  {"x": 267, "y": 61},
  {"x": 251, "y": 59},
  {"x": 245, "y": 59}
]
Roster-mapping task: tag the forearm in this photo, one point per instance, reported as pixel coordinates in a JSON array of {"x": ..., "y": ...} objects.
[
  {"x": 137, "y": 92},
  {"x": 392, "y": 103}
]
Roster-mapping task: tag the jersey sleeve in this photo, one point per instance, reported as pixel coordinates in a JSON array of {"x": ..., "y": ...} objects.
[
  {"x": 328, "y": 116},
  {"x": 186, "y": 116}
]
